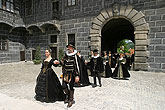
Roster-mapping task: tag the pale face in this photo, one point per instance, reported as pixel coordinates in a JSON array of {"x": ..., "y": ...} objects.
[
  {"x": 121, "y": 55},
  {"x": 91, "y": 52},
  {"x": 47, "y": 53},
  {"x": 95, "y": 53},
  {"x": 105, "y": 53},
  {"x": 70, "y": 49},
  {"x": 78, "y": 53}
]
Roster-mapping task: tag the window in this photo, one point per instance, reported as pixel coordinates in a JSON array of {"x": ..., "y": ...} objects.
[
  {"x": 3, "y": 43},
  {"x": 71, "y": 2},
  {"x": 55, "y": 6},
  {"x": 53, "y": 39},
  {"x": 28, "y": 7},
  {"x": 17, "y": 6},
  {"x": 7, "y": 5},
  {"x": 0, "y": 3},
  {"x": 71, "y": 38}
]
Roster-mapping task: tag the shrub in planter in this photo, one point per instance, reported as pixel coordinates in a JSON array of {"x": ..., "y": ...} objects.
[
  {"x": 61, "y": 55},
  {"x": 37, "y": 58}
]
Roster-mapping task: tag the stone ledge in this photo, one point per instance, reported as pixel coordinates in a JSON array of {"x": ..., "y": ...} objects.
[
  {"x": 144, "y": 48},
  {"x": 141, "y": 36},
  {"x": 141, "y": 59},
  {"x": 141, "y": 66},
  {"x": 141, "y": 53},
  {"x": 141, "y": 42}
]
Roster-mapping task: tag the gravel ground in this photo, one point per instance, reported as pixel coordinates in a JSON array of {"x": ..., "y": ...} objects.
[{"x": 144, "y": 91}]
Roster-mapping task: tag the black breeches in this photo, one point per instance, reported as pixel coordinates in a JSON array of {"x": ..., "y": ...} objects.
[{"x": 99, "y": 79}]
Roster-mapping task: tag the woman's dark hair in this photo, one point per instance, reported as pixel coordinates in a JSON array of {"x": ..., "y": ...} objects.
[{"x": 50, "y": 51}]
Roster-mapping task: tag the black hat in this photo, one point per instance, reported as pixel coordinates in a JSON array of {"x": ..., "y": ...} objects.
[
  {"x": 70, "y": 44},
  {"x": 95, "y": 50}
]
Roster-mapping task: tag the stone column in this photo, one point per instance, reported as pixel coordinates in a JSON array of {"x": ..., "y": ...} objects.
[
  {"x": 63, "y": 6},
  {"x": 102, "y": 4},
  {"x": 95, "y": 43},
  {"x": 141, "y": 54}
]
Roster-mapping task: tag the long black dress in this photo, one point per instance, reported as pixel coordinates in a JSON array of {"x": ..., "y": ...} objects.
[
  {"x": 108, "y": 71},
  {"x": 113, "y": 61},
  {"x": 84, "y": 79},
  {"x": 121, "y": 71},
  {"x": 48, "y": 87}
]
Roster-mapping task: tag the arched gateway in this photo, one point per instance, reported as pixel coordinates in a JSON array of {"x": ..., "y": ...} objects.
[{"x": 124, "y": 16}]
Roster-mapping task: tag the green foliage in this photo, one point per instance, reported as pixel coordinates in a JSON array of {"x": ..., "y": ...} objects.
[
  {"x": 61, "y": 54},
  {"x": 37, "y": 58},
  {"x": 127, "y": 45}
]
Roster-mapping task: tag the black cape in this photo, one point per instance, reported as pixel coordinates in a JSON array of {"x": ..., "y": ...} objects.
[{"x": 84, "y": 79}]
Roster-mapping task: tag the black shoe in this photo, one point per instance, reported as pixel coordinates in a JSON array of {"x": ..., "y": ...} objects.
[
  {"x": 100, "y": 85},
  {"x": 70, "y": 103},
  {"x": 66, "y": 101},
  {"x": 94, "y": 85}
]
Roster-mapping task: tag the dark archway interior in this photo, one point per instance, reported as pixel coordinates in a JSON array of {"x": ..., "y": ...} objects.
[{"x": 114, "y": 31}]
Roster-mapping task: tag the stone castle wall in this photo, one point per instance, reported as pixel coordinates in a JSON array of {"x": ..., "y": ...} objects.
[{"x": 78, "y": 20}]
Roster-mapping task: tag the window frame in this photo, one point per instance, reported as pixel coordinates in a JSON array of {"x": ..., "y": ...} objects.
[
  {"x": 71, "y": 3},
  {"x": 67, "y": 39},
  {"x": 49, "y": 39},
  {"x": 6, "y": 43},
  {"x": 51, "y": 45},
  {"x": 7, "y": 5},
  {"x": 1, "y": 4},
  {"x": 56, "y": 9},
  {"x": 28, "y": 8}
]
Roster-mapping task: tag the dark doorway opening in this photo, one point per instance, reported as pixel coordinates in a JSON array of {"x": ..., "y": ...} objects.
[
  {"x": 22, "y": 55},
  {"x": 54, "y": 52},
  {"x": 114, "y": 31},
  {"x": 33, "y": 54}
]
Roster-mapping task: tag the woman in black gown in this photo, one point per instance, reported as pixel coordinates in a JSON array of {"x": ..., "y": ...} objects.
[
  {"x": 108, "y": 71},
  {"x": 48, "y": 87},
  {"x": 121, "y": 71}
]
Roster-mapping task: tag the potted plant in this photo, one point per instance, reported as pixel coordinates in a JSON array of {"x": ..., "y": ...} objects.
[{"x": 37, "y": 58}]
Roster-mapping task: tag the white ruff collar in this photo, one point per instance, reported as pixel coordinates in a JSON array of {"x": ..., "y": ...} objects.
[
  {"x": 96, "y": 56},
  {"x": 70, "y": 54},
  {"x": 121, "y": 58}
]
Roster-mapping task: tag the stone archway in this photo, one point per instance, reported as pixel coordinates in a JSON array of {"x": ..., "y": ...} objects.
[
  {"x": 115, "y": 31},
  {"x": 141, "y": 29}
]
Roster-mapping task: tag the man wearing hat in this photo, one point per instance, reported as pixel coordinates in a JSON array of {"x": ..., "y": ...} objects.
[
  {"x": 96, "y": 67},
  {"x": 71, "y": 73}
]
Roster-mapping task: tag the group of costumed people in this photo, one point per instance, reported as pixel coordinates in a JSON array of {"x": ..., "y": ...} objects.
[
  {"x": 74, "y": 68},
  {"x": 120, "y": 61}
]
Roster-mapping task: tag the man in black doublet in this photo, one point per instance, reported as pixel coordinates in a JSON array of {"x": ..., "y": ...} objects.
[
  {"x": 71, "y": 73},
  {"x": 96, "y": 67}
]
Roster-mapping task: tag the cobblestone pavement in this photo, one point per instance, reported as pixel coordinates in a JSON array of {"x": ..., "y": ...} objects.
[{"x": 144, "y": 91}]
